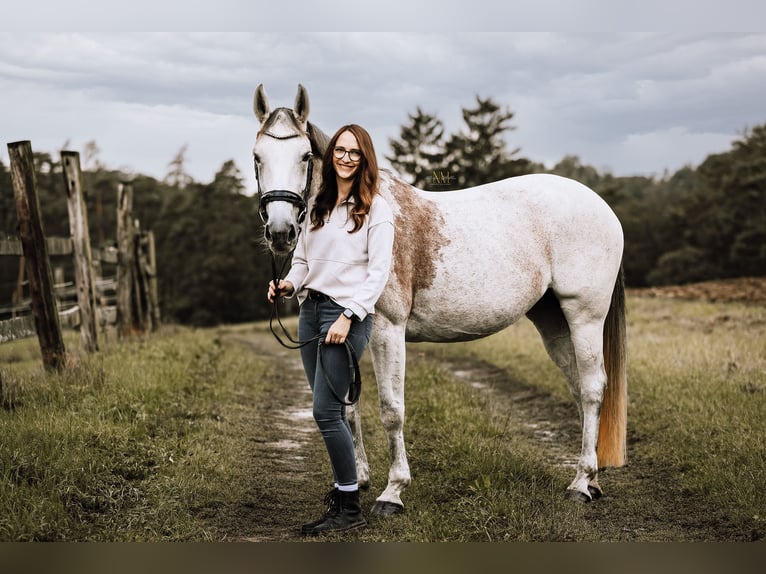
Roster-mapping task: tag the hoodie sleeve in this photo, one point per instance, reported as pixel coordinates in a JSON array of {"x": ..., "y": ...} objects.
[{"x": 380, "y": 242}]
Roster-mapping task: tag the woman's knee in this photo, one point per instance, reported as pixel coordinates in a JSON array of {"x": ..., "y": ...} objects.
[{"x": 327, "y": 414}]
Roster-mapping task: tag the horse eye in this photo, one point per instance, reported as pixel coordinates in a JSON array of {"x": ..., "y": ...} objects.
[
  {"x": 308, "y": 156},
  {"x": 256, "y": 158}
]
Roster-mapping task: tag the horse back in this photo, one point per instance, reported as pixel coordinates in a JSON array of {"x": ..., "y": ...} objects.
[{"x": 481, "y": 257}]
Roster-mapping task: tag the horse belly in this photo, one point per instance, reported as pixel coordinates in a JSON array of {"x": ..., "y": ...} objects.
[
  {"x": 452, "y": 311},
  {"x": 452, "y": 327}
]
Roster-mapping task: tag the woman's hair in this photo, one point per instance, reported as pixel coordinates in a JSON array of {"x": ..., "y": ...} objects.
[{"x": 363, "y": 188}]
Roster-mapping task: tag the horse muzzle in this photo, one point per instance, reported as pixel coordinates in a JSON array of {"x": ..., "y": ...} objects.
[{"x": 281, "y": 239}]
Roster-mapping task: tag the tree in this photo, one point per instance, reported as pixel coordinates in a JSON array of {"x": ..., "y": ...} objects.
[
  {"x": 684, "y": 265},
  {"x": 476, "y": 155},
  {"x": 726, "y": 217},
  {"x": 90, "y": 157},
  {"x": 177, "y": 176},
  {"x": 419, "y": 150},
  {"x": 479, "y": 154},
  {"x": 208, "y": 253},
  {"x": 747, "y": 253},
  {"x": 228, "y": 179},
  {"x": 570, "y": 166}
]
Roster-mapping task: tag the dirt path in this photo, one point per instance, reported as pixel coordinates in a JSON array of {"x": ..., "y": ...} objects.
[
  {"x": 286, "y": 454},
  {"x": 657, "y": 508}
]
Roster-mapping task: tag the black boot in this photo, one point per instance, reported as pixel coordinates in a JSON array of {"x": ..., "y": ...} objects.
[
  {"x": 345, "y": 514},
  {"x": 332, "y": 502}
]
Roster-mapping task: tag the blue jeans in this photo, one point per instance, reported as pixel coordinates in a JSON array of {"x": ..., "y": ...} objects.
[{"x": 315, "y": 318}]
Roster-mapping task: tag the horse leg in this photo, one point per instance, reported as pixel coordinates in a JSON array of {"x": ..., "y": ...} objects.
[
  {"x": 354, "y": 414},
  {"x": 586, "y": 331},
  {"x": 387, "y": 350},
  {"x": 553, "y": 327}
]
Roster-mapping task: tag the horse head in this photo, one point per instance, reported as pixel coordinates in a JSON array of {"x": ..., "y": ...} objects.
[{"x": 286, "y": 155}]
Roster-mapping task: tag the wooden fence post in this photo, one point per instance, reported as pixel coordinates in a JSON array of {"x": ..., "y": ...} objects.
[
  {"x": 139, "y": 281},
  {"x": 125, "y": 259},
  {"x": 83, "y": 259},
  {"x": 154, "y": 300},
  {"x": 36, "y": 255}
]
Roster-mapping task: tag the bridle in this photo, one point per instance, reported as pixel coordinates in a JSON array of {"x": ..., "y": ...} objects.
[{"x": 300, "y": 200}]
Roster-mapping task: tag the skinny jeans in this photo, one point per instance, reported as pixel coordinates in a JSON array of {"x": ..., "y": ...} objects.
[{"x": 315, "y": 318}]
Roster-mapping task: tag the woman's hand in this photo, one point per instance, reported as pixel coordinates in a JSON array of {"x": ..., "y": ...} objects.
[
  {"x": 338, "y": 331},
  {"x": 285, "y": 288}
]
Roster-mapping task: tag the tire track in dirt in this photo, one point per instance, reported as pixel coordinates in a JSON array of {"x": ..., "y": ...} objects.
[
  {"x": 550, "y": 425},
  {"x": 286, "y": 453}
]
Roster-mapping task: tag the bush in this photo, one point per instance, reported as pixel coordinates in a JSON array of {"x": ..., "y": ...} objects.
[{"x": 685, "y": 265}]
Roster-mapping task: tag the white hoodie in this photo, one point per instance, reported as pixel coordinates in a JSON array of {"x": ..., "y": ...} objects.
[{"x": 350, "y": 268}]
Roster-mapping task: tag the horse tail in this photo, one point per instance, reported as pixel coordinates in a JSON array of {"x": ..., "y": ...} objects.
[{"x": 612, "y": 432}]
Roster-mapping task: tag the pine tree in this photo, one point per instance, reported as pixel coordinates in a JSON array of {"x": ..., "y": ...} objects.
[
  {"x": 228, "y": 179},
  {"x": 479, "y": 154},
  {"x": 177, "y": 176},
  {"x": 420, "y": 149}
]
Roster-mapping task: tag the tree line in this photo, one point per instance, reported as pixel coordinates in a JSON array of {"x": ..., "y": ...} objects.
[{"x": 701, "y": 223}]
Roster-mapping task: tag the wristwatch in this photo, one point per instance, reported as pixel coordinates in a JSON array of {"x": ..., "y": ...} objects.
[{"x": 349, "y": 314}]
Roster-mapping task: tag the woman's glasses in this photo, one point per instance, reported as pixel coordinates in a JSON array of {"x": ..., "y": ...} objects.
[{"x": 353, "y": 154}]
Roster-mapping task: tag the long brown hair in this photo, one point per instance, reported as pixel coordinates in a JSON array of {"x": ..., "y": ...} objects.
[{"x": 363, "y": 188}]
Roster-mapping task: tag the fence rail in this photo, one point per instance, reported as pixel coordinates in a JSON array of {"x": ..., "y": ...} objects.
[{"x": 56, "y": 246}]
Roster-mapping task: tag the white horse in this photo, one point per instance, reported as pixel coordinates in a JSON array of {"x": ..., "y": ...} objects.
[{"x": 468, "y": 264}]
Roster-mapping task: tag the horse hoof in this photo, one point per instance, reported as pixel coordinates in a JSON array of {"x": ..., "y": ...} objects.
[
  {"x": 578, "y": 496},
  {"x": 595, "y": 492},
  {"x": 384, "y": 508}
]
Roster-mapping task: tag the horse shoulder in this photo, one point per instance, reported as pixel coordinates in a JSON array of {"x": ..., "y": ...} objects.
[{"x": 418, "y": 244}]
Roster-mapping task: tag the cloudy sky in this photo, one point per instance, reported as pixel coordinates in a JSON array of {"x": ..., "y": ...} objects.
[{"x": 631, "y": 103}]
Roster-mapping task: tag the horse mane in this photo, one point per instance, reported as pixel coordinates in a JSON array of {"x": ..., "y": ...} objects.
[{"x": 318, "y": 139}]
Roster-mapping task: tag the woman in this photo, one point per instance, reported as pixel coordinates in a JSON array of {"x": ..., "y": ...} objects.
[{"x": 339, "y": 269}]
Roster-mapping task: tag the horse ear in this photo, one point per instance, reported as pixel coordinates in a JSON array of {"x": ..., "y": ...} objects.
[
  {"x": 261, "y": 104},
  {"x": 301, "y": 107}
]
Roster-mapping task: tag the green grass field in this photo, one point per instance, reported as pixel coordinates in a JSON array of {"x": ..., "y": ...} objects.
[{"x": 153, "y": 440}]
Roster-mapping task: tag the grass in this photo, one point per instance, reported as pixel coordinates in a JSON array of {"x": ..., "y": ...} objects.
[
  {"x": 699, "y": 375},
  {"x": 697, "y": 392},
  {"x": 130, "y": 444},
  {"x": 167, "y": 439}
]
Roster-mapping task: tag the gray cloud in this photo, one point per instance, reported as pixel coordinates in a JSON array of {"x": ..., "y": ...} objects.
[{"x": 632, "y": 103}]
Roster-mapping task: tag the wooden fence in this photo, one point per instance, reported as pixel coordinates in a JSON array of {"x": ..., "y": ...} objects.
[
  {"x": 65, "y": 292},
  {"x": 135, "y": 305}
]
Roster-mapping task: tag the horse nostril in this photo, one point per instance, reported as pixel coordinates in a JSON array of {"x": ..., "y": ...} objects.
[
  {"x": 267, "y": 233},
  {"x": 291, "y": 234}
]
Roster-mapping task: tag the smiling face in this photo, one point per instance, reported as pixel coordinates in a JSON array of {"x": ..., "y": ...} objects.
[{"x": 345, "y": 167}]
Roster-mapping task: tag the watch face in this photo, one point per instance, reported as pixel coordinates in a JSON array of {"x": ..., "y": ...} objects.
[{"x": 348, "y": 313}]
